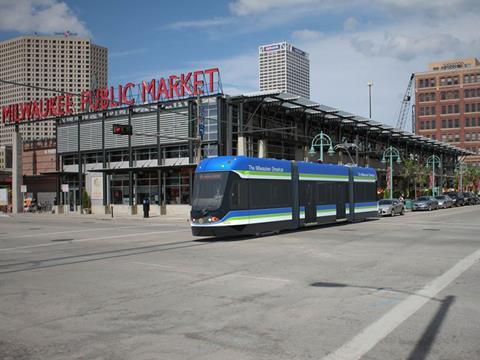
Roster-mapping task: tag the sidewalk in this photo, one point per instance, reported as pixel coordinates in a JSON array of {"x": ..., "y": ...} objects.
[{"x": 139, "y": 217}]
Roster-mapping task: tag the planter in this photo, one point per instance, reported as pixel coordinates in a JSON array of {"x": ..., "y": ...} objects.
[{"x": 408, "y": 204}]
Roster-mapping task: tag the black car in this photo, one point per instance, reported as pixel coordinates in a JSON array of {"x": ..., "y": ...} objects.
[
  {"x": 472, "y": 198},
  {"x": 477, "y": 199},
  {"x": 457, "y": 197}
]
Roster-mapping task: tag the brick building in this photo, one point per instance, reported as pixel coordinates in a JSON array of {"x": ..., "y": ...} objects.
[{"x": 447, "y": 103}]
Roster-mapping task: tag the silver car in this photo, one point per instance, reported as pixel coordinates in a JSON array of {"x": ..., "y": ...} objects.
[
  {"x": 425, "y": 203},
  {"x": 444, "y": 201},
  {"x": 390, "y": 207}
]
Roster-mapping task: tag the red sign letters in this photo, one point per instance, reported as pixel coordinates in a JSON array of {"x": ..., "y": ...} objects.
[{"x": 174, "y": 87}]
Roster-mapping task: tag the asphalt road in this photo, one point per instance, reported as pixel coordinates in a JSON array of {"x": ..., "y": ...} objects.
[{"x": 395, "y": 288}]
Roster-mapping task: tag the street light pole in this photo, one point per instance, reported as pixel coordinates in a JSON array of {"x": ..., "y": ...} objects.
[
  {"x": 321, "y": 146},
  {"x": 461, "y": 167},
  {"x": 391, "y": 152},
  {"x": 391, "y": 176},
  {"x": 434, "y": 160},
  {"x": 370, "y": 99},
  {"x": 346, "y": 147},
  {"x": 321, "y": 140}
]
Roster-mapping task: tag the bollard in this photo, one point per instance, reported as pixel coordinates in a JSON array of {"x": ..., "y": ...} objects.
[{"x": 111, "y": 210}]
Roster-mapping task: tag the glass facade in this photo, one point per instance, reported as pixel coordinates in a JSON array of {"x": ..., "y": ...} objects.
[
  {"x": 174, "y": 187},
  {"x": 170, "y": 185}
]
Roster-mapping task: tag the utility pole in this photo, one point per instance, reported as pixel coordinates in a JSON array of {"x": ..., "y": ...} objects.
[
  {"x": 17, "y": 172},
  {"x": 370, "y": 99},
  {"x": 199, "y": 131}
]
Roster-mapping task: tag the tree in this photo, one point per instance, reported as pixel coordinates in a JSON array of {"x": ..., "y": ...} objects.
[
  {"x": 471, "y": 177},
  {"x": 414, "y": 172},
  {"x": 85, "y": 200},
  {"x": 408, "y": 172}
]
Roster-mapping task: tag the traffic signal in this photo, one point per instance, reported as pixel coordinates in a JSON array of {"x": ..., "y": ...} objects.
[{"x": 120, "y": 129}]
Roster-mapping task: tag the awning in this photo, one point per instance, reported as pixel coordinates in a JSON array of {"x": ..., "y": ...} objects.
[
  {"x": 56, "y": 173},
  {"x": 126, "y": 170}
]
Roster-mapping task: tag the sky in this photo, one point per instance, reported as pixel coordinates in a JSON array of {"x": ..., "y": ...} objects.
[{"x": 350, "y": 42}]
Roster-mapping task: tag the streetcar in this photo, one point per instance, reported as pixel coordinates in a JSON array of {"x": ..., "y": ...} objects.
[{"x": 238, "y": 195}]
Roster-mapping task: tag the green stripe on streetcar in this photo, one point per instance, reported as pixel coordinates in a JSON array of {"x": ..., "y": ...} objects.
[
  {"x": 324, "y": 176},
  {"x": 258, "y": 216},
  {"x": 365, "y": 178},
  {"x": 263, "y": 173}
]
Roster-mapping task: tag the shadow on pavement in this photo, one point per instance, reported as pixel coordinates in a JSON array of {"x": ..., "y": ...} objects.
[
  {"x": 424, "y": 345},
  {"x": 323, "y": 284},
  {"x": 342, "y": 225},
  {"x": 85, "y": 258}
]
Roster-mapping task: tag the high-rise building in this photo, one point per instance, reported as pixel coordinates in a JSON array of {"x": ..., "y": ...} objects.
[
  {"x": 284, "y": 67},
  {"x": 447, "y": 103},
  {"x": 65, "y": 63}
]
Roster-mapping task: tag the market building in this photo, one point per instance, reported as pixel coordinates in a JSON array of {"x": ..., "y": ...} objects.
[{"x": 179, "y": 120}]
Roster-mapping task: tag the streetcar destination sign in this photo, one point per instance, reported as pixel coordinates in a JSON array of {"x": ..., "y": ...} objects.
[{"x": 169, "y": 88}]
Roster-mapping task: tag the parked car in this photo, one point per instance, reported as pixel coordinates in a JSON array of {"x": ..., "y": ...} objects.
[
  {"x": 457, "y": 197},
  {"x": 390, "y": 207},
  {"x": 469, "y": 198},
  {"x": 444, "y": 201},
  {"x": 425, "y": 203},
  {"x": 477, "y": 199}
]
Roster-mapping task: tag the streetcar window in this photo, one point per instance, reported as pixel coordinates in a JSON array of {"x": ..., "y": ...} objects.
[
  {"x": 270, "y": 193},
  {"x": 239, "y": 195},
  {"x": 364, "y": 192},
  {"x": 326, "y": 193},
  {"x": 208, "y": 190}
]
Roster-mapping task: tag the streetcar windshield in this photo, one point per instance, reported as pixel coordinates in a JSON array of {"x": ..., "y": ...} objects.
[{"x": 208, "y": 190}]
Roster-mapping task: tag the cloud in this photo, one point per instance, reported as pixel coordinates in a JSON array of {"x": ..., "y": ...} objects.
[
  {"x": 382, "y": 41},
  {"x": 239, "y": 74},
  {"x": 408, "y": 40},
  {"x": 41, "y": 16},
  {"x": 430, "y": 9},
  {"x": 199, "y": 23},
  {"x": 127, "y": 52},
  {"x": 306, "y": 35},
  {"x": 253, "y": 7},
  {"x": 339, "y": 75},
  {"x": 392, "y": 7},
  {"x": 350, "y": 24}
]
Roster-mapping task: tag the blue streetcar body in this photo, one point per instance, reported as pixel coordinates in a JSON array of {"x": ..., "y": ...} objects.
[{"x": 237, "y": 195}]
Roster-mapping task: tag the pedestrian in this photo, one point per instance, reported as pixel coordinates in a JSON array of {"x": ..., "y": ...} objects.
[
  {"x": 401, "y": 198},
  {"x": 146, "y": 207}
]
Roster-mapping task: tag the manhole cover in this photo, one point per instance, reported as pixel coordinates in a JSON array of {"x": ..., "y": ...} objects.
[
  {"x": 34, "y": 229},
  {"x": 431, "y": 229},
  {"x": 55, "y": 240},
  {"x": 347, "y": 230}
]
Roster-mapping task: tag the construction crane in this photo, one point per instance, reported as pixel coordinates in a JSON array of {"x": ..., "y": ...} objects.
[{"x": 402, "y": 116}]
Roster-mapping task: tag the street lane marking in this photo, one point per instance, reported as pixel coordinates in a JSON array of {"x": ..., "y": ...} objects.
[
  {"x": 366, "y": 340},
  {"x": 172, "y": 269},
  {"x": 184, "y": 271},
  {"x": 36, "y": 234},
  {"x": 88, "y": 239},
  {"x": 260, "y": 277}
]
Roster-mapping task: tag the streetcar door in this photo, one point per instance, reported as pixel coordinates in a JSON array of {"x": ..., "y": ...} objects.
[
  {"x": 310, "y": 205},
  {"x": 341, "y": 200}
]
